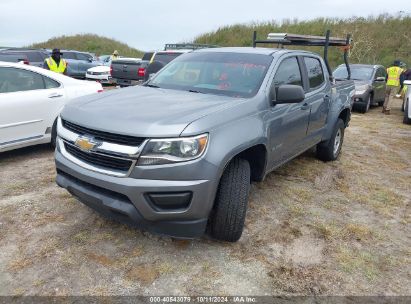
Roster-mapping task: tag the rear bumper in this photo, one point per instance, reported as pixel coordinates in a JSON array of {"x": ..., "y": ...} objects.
[
  {"x": 127, "y": 200},
  {"x": 127, "y": 82}
]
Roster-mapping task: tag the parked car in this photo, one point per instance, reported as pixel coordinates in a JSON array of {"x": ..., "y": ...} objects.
[
  {"x": 35, "y": 57},
  {"x": 407, "y": 105},
  {"x": 6, "y": 57},
  {"x": 79, "y": 63},
  {"x": 370, "y": 84},
  {"x": 31, "y": 98},
  {"x": 128, "y": 71},
  {"x": 178, "y": 153},
  {"x": 99, "y": 73}
]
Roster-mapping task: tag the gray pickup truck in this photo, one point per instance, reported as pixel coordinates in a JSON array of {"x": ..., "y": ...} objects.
[
  {"x": 128, "y": 71},
  {"x": 176, "y": 156}
]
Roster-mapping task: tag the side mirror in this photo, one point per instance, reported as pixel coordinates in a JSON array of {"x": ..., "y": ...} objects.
[
  {"x": 287, "y": 93},
  {"x": 90, "y": 59},
  {"x": 380, "y": 79}
]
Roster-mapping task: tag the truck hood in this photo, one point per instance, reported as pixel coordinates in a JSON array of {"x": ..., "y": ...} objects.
[{"x": 143, "y": 111}]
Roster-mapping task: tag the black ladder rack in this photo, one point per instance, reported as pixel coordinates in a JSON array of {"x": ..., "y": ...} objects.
[{"x": 307, "y": 40}]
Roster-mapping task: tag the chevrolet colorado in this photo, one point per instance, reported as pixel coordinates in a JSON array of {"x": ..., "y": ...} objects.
[{"x": 176, "y": 156}]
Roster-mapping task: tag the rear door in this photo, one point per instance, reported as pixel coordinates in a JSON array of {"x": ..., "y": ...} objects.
[
  {"x": 287, "y": 122},
  {"x": 317, "y": 97},
  {"x": 28, "y": 103}
]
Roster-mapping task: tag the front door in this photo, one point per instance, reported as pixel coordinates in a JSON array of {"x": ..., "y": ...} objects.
[
  {"x": 26, "y": 101},
  {"x": 287, "y": 122}
]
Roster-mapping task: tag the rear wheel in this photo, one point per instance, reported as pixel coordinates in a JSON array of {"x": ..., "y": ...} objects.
[
  {"x": 407, "y": 120},
  {"x": 330, "y": 150},
  {"x": 228, "y": 216}
]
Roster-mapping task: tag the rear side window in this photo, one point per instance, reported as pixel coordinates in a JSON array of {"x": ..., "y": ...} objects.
[
  {"x": 315, "y": 72},
  {"x": 34, "y": 56},
  {"x": 17, "y": 80},
  {"x": 288, "y": 73},
  {"x": 68, "y": 55},
  {"x": 50, "y": 83}
]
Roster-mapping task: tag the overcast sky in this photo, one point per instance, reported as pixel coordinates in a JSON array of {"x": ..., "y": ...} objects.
[{"x": 148, "y": 24}]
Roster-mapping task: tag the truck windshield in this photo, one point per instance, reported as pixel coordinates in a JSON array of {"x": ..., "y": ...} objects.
[
  {"x": 357, "y": 73},
  {"x": 229, "y": 74}
]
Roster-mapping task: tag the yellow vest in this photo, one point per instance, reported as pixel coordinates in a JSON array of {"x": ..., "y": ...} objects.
[
  {"x": 56, "y": 68},
  {"x": 394, "y": 74}
]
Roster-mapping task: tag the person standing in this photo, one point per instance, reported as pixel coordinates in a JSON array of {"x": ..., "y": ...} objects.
[
  {"x": 55, "y": 63},
  {"x": 393, "y": 82},
  {"x": 114, "y": 56}
]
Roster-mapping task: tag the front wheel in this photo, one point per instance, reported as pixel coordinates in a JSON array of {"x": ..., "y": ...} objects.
[
  {"x": 366, "y": 107},
  {"x": 228, "y": 216},
  {"x": 330, "y": 150},
  {"x": 54, "y": 134}
]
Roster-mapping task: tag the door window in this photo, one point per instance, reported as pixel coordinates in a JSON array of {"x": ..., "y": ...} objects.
[
  {"x": 81, "y": 56},
  {"x": 16, "y": 80},
  {"x": 288, "y": 73},
  {"x": 315, "y": 72},
  {"x": 380, "y": 73}
]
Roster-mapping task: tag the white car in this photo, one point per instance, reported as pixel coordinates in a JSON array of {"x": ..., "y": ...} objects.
[
  {"x": 31, "y": 99},
  {"x": 99, "y": 73},
  {"x": 407, "y": 101}
]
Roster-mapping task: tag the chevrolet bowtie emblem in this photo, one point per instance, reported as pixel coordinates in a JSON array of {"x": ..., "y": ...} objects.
[{"x": 86, "y": 143}]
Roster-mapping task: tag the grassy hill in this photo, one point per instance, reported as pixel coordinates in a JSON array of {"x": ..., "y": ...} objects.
[
  {"x": 89, "y": 43},
  {"x": 378, "y": 39}
]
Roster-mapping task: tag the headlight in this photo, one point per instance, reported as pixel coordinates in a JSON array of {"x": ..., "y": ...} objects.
[
  {"x": 173, "y": 150},
  {"x": 361, "y": 90}
]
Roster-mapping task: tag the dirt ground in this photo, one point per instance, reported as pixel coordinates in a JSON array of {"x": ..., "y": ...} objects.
[{"x": 312, "y": 228}]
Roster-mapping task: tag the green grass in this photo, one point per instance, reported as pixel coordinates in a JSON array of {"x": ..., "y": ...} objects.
[
  {"x": 89, "y": 43},
  {"x": 377, "y": 39}
]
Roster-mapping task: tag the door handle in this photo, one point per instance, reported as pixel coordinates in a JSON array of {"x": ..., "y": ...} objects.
[
  {"x": 305, "y": 106},
  {"x": 55, "y": 95}
]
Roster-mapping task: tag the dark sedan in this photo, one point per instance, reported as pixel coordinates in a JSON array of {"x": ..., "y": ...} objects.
[{"x": 369, "y": 84}]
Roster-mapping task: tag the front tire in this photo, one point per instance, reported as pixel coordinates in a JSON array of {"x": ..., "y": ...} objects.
[
  {"x": 54, "y": 134},
  {"x": 364, "y": 108},
  {"x": 228, "y": 216},
  {"x": 330, "y": 150}
]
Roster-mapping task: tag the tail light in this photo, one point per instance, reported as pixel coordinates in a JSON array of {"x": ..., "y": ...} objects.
[
  {"x": 25, "y": 61},
  {"x": 141, "y": 72},
  {"x": 111, "y": 70},
  {"x": 100, "y": 91}
]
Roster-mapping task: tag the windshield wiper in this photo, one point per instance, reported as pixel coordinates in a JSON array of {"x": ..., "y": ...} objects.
[
  {"x": 151, "y": 86},
  {"x": 195, "y": 91}
]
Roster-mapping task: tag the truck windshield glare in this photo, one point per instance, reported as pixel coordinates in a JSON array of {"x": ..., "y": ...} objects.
[{"x": 229, "y": 74}]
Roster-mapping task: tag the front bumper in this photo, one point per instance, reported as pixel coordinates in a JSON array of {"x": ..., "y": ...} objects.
[
  {"x": 361, "y": 99},
  {"x": 100, "y": 78},
  {"x": 127, "y": 199}
]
